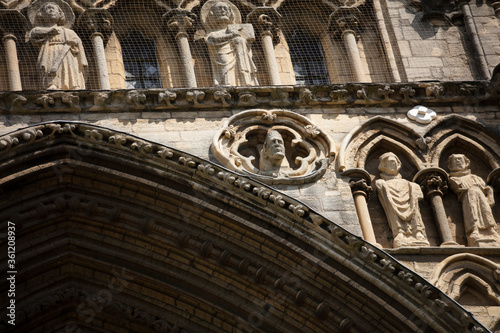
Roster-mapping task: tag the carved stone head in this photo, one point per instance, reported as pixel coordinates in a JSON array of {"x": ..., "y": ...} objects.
[
  {"x": 218, "y": 14},
  {"x": 50, "y": 12},
  {"x": 458, "y": 162},
  {"x": 389, "y": 164}
]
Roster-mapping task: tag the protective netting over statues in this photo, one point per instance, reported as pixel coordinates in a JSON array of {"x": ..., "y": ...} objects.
[{"x": 120, "y": 44}]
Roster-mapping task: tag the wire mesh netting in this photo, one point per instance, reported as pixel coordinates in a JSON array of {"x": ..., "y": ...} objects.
[{"x": 174, "y": 44}]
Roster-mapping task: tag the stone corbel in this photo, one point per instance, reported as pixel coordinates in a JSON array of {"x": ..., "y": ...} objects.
[
  {"x": 434, "y": 183},
  {"x": 344, "y": 23},
  {"x": 99, "y": 23},
  {"x": 360, "y": 183},
  {"x": 267, "y": 21},
  {"x": 12, "y": 25},
  {"x": 179, "y": 22}
]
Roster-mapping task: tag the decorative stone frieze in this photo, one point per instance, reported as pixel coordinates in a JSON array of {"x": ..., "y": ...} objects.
[
  {"x": 325, "y": 97},
  {"x": 274, "y": 146}
]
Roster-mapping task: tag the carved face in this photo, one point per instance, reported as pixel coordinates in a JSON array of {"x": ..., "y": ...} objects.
[
  {"x": 274, "y": 145},
  {"x": 458, "y": 162},
  {"x": 221, "y": 13},
  {"x": 389, "y": 164},
  {"x": 51, "y": 12}
]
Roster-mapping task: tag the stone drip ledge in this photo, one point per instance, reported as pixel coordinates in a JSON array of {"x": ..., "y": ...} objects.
[
  {"x": 445, "y": 250},
  {"x": 474, "y": 93}
]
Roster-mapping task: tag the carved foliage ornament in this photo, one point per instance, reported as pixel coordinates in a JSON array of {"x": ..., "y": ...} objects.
[{"x": 277, "y": 146}]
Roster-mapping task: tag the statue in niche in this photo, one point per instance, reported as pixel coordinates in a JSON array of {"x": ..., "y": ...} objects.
[
  {"x": 400, "y": 198},
  {"x": 61, "y": 61},
  {"x": 476, "y": 198},
  {"x": 273, "y": 161},
  {"x": 229, "y": 44}
]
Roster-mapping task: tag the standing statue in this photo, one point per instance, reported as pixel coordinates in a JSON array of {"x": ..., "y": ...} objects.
[
  {"x": 476, "y": 198},
  {"x": 273, "y": 161},
  {"x": 229, "y": 44},
  {"x": 61, "y": 60},
  {"x": 400, "y": 198}
]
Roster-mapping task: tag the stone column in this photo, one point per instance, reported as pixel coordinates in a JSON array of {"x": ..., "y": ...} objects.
[
  {"x": 266, "y": 20},
  {"x": 360, "y": 182},
  {"x": 434, "y": 182},
  {"x": 99, "y": 23},
  {"x": 12, "y": 23},
  {"x": 179, "y": 22},
  {"x": 345, "y": 24}
]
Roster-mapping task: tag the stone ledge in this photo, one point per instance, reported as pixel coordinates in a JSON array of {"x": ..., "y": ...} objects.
[
  {"x": 444, "y": 250},
  {"x": 366, "y": 95}
]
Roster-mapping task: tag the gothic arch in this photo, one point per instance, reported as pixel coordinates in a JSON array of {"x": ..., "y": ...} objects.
[
  {"x": 468, "y": 273},
  {"x": 108, "y": 223},
  {"x": 383, "y": 133},
  {"x": 465, "y": 134}
]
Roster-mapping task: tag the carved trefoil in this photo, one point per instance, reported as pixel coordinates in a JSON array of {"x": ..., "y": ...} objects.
[{"x": 276, "y": 146}]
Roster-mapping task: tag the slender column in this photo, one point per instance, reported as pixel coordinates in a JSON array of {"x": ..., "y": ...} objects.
[
  {"x": 434, "y": 183},
  {"x": 360, "y": 187},
  {"x": 266, "y": 20},
  {"x": 99, "y": 23},
  {"x": 9, "y": 42},
  {"x": 12, "y": 23},
  {"x": 351, "y": 45},
  {"x": 344, "y": 24},
  {"x": 100, "y": 59},
  {"x": 180, "y": 21}
]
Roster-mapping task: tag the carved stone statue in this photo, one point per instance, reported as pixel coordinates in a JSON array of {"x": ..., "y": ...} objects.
[
  {"x": 476, "y": 198},
  {"x": 273, "y": 161},
  {"x": 61, "y": 60},
  {"x": 229, "y": 44},
  {"x": 400, "y": 198}
]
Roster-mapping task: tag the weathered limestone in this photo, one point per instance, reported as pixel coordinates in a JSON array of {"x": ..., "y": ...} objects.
[
  {"x": 360, "y": 183},
  {"x": 476, "y": 198},
  {"x": 345, "y": 22},
  {"x": 266, "y": 19},
  {"x": 62, "y": 60},
  {"x": 12, "y": 23},
  {"x": 228, "y": 43},
  {"x": 99, "y": 23},
  {"x": 434, "y": 183},
  {"x": 179, "y": 22},
  {"x": 399, "y": 198}
]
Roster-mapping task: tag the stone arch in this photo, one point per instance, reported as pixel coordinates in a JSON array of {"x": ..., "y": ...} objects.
[
  {"x": 469, "y": 273},
  {"x": 454, "y": 133},
  {"x": 380, "y": 132},
  {"x": 193, "y": 245}
]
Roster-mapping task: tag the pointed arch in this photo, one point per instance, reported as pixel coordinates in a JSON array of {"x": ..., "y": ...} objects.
[
  {"x": 380, "y": 132},
  {"x": 465, "y": 134},
  {"x": 111, "y": 226},
  {"x": 468, "y": 273}
]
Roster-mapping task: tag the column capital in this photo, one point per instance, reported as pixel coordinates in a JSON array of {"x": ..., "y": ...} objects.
[
  {"x": 96, "y": 21},
  {"x": 345, "y": 19},
  {"x": 432, "y": 181},
  {"x": 12, "y": 22},
  {"x": 359, "y": 181},
  {"x": 266, "y": 20},
  {"x": 179, "y": 22}
]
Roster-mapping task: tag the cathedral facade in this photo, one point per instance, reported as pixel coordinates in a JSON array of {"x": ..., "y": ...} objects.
[{"x": 249, "y": 166}]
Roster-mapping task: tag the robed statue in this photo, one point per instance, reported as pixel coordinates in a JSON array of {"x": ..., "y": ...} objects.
[
  {"x": 229, "y": 44},
  {"x": 476, "y": 198},
  {"x": 61, "y": 61},
  {"x": 400, "y": 198}
]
